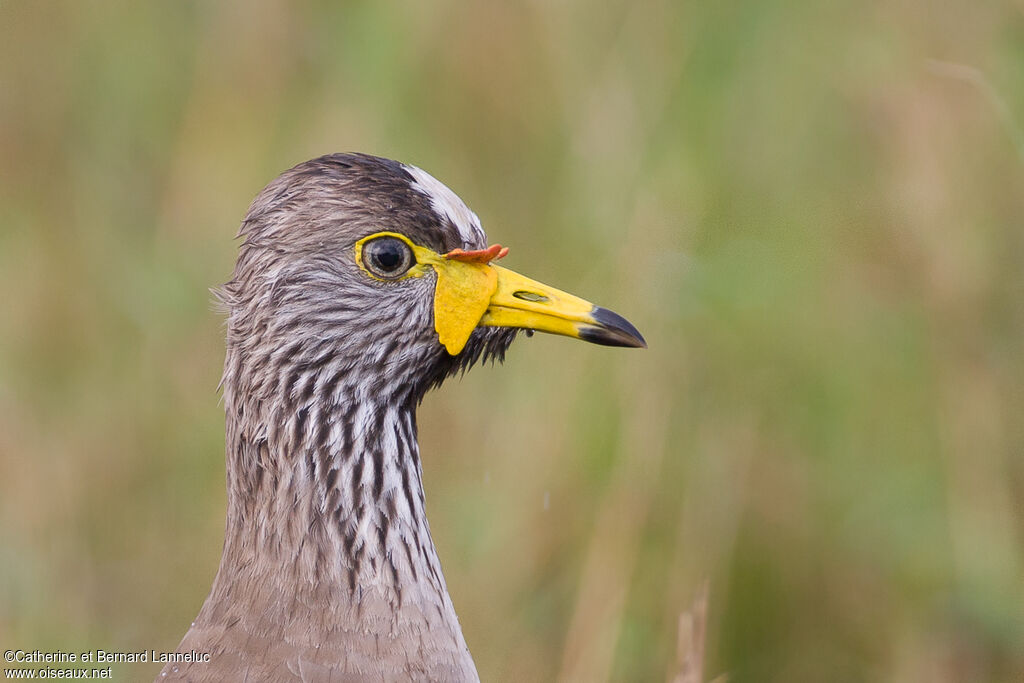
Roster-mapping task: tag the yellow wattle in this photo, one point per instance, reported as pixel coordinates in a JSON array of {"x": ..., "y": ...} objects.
[{"x": 461, "y": 298}]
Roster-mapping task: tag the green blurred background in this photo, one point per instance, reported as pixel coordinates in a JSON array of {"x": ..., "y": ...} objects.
[{"x": 814, "y": 212}]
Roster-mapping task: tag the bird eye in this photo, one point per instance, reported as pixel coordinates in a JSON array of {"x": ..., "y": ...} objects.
[{"x": 387, "y": 257}]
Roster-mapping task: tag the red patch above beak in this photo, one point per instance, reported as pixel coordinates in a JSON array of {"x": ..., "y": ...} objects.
[{"x": 491, "y": 253}]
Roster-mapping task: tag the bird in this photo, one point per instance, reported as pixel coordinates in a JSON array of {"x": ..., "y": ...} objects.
[{"x": 360, "y": 284}]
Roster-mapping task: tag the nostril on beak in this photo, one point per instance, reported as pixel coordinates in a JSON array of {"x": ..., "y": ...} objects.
[{"x": 530, "y": 296}]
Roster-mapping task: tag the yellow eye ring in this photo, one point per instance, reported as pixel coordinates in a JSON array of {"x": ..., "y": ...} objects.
[
  {"x": 390, "y": 257},
  {"x": 387, "y": 257}
]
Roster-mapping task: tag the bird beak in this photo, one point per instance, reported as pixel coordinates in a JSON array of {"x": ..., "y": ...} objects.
[
  {"x": 521, "y": 302},
  {"x": 472, "y": 292}
]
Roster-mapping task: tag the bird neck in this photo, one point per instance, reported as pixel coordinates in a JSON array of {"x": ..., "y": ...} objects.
[{"x": 326, "y": 523}]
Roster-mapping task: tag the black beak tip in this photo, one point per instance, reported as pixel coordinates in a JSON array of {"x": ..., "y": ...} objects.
[{"x": 612, "y": 330}]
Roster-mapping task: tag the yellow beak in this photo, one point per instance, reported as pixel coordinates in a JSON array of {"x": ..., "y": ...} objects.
[
  {"x": 469, "y": 295},
  {"x": 521, "y": 302}
]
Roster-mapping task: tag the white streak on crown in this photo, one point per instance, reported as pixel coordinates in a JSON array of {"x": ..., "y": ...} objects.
[{"x": 448, "y": 205}]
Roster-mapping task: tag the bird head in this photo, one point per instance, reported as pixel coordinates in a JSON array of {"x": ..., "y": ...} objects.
[{"x": 375, "y": 262}]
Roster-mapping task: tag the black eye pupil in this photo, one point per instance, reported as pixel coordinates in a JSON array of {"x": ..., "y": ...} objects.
[{"x": 387, "y": 257}]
